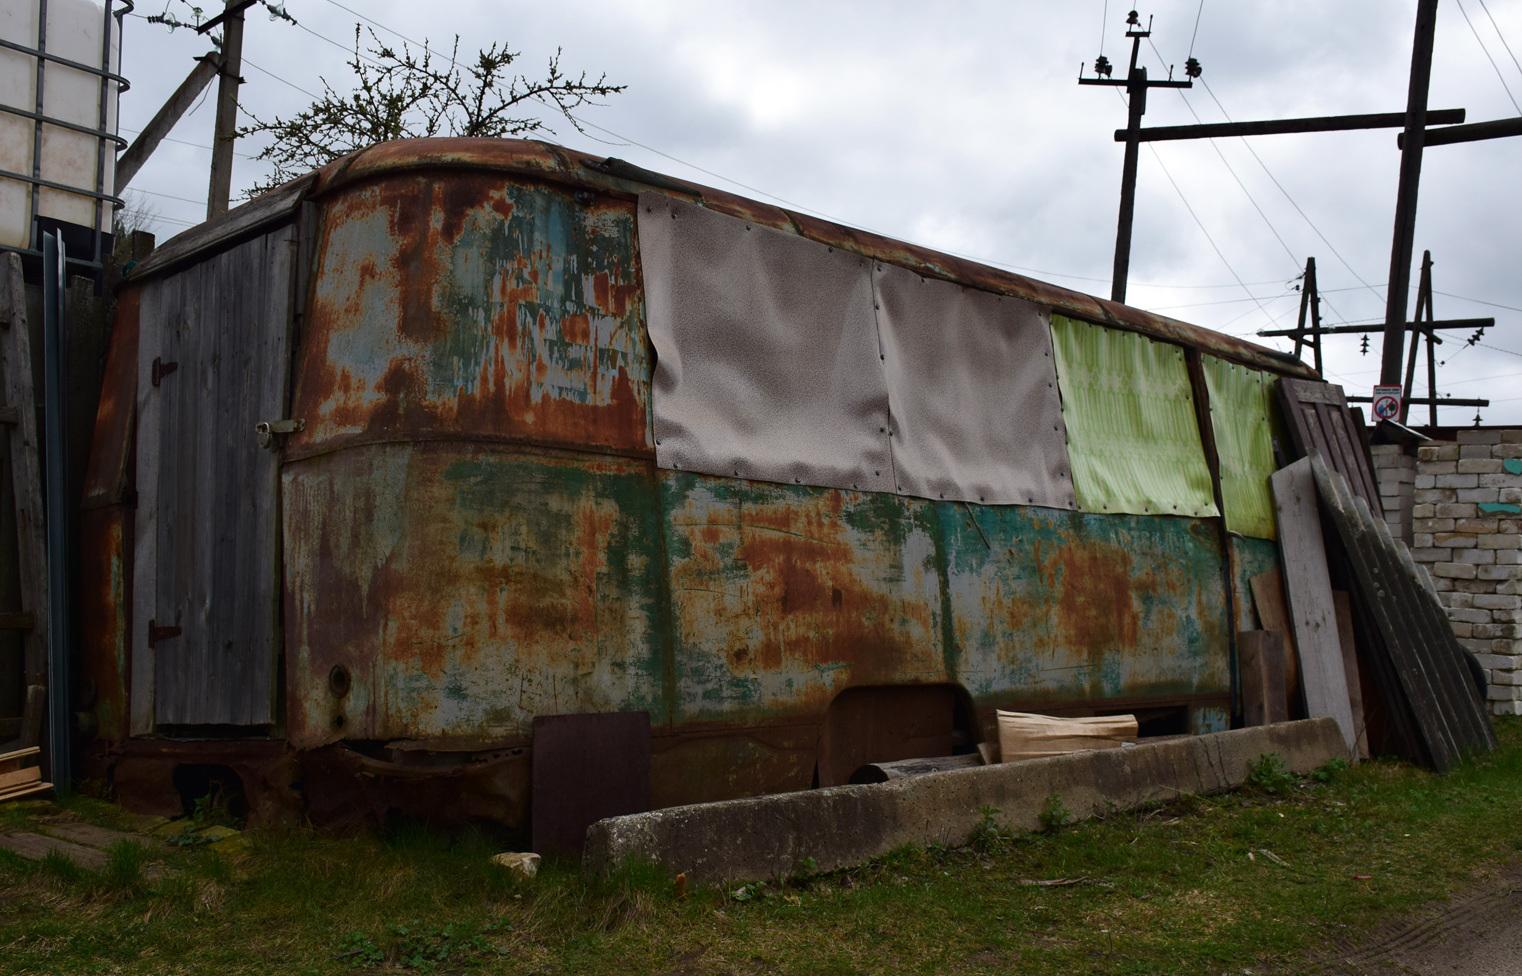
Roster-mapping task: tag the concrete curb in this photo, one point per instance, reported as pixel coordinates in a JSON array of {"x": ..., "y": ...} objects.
[{"x": 841, "y": 826}]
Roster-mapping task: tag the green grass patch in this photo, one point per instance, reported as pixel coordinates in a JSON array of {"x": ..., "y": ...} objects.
[{"x": 1255, "y": 879}]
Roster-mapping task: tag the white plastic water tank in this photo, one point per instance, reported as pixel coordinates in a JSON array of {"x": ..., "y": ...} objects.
[{"x": 75, "y": 31}]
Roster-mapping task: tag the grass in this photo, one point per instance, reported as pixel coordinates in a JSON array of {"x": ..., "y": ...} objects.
[{"x": 1256, "y": 879}]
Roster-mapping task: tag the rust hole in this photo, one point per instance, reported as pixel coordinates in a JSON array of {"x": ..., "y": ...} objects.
[
  {"x": 339, "y": 682},
  {"x": 338, "y": 721}
]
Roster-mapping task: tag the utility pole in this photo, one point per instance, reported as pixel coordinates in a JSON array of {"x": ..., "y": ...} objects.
[
  {"x": 231, "y": 21},
  {"x": 1310, "y": 303},
  {"x": 1405, "y": 198},
  {"x": 1136, "y": 85}
]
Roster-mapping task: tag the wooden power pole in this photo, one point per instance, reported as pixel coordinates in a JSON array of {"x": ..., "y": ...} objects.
[
  {"x": 1405, "y": 198},
  {"x": 219, "y": 195},
  {"x": 1136, "y": 85}
]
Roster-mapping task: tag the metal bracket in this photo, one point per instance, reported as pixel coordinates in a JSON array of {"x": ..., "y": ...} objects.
[
  {"x": 162, "y": 369},
  {"x": 267, "y": 430}
]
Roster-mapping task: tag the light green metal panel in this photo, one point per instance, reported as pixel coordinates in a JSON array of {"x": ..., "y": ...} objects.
[
  {"x": 1241, "y": 408},
  {"x": 1133, "y": 437}
]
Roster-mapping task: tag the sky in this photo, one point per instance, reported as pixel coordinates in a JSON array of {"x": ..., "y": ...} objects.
[{"x": 960, "y": 126}]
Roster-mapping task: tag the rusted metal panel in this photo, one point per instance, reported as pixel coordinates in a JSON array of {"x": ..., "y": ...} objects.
[
  {"x": 464, "y": 307},
  {"x": 465, "y": 589},
  {"x": 105, "y": 624},
  {"x": 586, "y": 767},
  {"x": 1050, "y": 606},
  {"x": 783, "y": 595},
  {"x": 108, "y": 474}
]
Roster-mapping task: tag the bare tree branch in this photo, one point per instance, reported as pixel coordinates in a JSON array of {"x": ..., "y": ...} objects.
[{"x": 405, "y": 95}]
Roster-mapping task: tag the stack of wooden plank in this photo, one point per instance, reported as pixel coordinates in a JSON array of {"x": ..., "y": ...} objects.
[
  {"x": 20, "y": 775},
  {"x": 1027, "y": 736},
  {"x": 1430, "y": 708}
]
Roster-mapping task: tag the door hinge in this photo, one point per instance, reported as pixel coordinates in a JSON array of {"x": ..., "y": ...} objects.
[
  {"x": 157, "y": 633},
  {"x": 267, "y": 430},
  {"x": 162, "y": 369}
]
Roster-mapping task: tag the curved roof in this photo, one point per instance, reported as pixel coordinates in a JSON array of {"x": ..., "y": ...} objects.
[{"x": 557, "y": 164}]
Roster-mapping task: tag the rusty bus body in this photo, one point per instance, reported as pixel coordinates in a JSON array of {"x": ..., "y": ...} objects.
[{"x": 470, "y": 529}]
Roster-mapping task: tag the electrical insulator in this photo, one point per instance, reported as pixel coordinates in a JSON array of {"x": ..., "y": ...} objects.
[
  {"x": 1102, "y": 66},
  {"x": 1192, "y": 68},
  {"x": 1365, "y": 350}
]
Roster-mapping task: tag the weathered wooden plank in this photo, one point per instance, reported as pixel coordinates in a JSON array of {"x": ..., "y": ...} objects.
[
  {"x": 10, "y": 760},
  {"x": 1345, "y": 630},
  {"x": 35, "y": 847},
  {"x": 26, "y": 473},
  {"x": 20, "y": 777},
  {"x": 1273, "y": 615},
  {"x": 21, "y": 791},
  {"x": 1308, "y": 586},
  {"x": 1262, "y": 659}
]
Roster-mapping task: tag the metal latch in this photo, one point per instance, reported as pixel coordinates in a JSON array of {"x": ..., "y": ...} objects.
[
  {"x": 157, "y": 633},
  {"x": 162, "y": 369},
  {"x": 267, "y": 430}
]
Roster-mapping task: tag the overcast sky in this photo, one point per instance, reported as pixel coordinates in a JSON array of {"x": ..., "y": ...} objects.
[{"x": 960, "y": 126}]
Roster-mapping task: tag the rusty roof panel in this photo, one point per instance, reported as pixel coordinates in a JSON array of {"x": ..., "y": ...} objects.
[
  {"x": 471, "y": 307},
  {"x": 557, "y": 164}
]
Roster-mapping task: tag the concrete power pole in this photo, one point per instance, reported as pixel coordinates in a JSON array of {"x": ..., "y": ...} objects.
[{"x": 219, "y": 195}]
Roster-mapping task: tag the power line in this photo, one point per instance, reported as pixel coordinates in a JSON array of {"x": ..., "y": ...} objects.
[
  {"x": 1492, "y": 60},
  {"x": 279, "y": 79},
  {"x": 1196, "y": 33},
  {"x": 1477, "y": 301},
  {"x": 193, "y": 145},
  {"x": 1291, "y": 199},
  {"x": 1501, "y": 36},
  {"x": 377, "y": 23}
]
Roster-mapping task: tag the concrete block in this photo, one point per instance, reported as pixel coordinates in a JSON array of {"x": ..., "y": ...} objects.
[
  {"x": 1502, "y": 480},
  {"x": 1381, "y": 451},
  {"x": 1461, "y": 629},
  {"x": 1492, "y": 572},
  {"x": 1479, "y": 496},
  {"x": 1493, "y": 601},
  {"x": 841, "y": 826},
  {"x": 1499, "y": 541},
  {"x": 1426, "y": 524},
  {"x": 1509, "y": 617},
  {"x": 1442, "y": 585},
  {"x": 1506, "y": 708},
  {"x": 1502, "y": 692},
  {"x": 1462, "y": 600},
  {"x": 1474, "y": 585},
  {"x": 1421, "y": 540},
  {"x": 1457, "y": 481},
  {"x": 1506, "y": 678},
  {"x": 1425, "y": 481},
  {"x": 1455, "y": 540},
  {"x": 1480, "y": 465},
  {"x": 1477, "y": 646},
  {"x": 1429, "y": 453},
  {"x": 1505, "y": 662},
  {"x": 1479, "y": 557},
  {"x": 1432, "y": 555},
  {"x": 1509, "y": 496},
  {"x": 1422, "y": 511},
  {"x": 1496, "y": 632},
  {"x": 1471, "y": 616},
  {"x": 1476, "y": 525},
  {"x": 1508, "y": 557},
  {"x": 1506, "y": 451},
  {"x": 1458, "y": 571},
  {"x": 1433, "y": 496},
  {"x": 1388, "y": 491},
  {"x": 1456, "y": 510},
  {"x": 1512, "y": 436},
  {"x": 1469, "y": 436}
]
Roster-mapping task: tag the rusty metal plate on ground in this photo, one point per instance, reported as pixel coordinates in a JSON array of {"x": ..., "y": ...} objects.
[{"x": 585, "y": 768}]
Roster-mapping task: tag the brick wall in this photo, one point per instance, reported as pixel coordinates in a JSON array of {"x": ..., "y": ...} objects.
[
  {"x": 1395, "y": 471},
  {"x": 1466, "y": 527}
]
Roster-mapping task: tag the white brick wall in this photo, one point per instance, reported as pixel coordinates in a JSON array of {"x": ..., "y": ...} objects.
[
  {"x": 1466, "y": 526},
  {"x": 1395, "y": 472}
]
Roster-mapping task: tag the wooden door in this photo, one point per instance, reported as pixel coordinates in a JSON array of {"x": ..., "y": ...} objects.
[
  {"x": 1318, "y": 417},
  {"x": 214, "y": 363}
]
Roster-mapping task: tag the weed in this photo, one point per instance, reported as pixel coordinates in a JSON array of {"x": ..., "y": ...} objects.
[
  {"x": 749, "y": 892},
  {"x": 1053, "y": 814},
  {"x": 1268, "y": 775},
  {"x": 1328, "y": 772},
  {"x": 124, "y": 865},
  {"x": 60, "y": 865},
  {"x": 987, "y": 836},
  {"x": 358, "y": 949}
]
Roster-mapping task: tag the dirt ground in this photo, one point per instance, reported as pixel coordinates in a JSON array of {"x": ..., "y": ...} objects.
[{"x": 1476, "y": 934}]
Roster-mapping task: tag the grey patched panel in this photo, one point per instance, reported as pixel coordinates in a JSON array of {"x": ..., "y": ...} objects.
[{"x": 783, "y": 359}]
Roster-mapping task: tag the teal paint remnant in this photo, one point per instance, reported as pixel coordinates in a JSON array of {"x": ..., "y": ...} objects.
[
  {"x": 1498, "y": 508},
  {"x": 1512, "y": 465}
]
